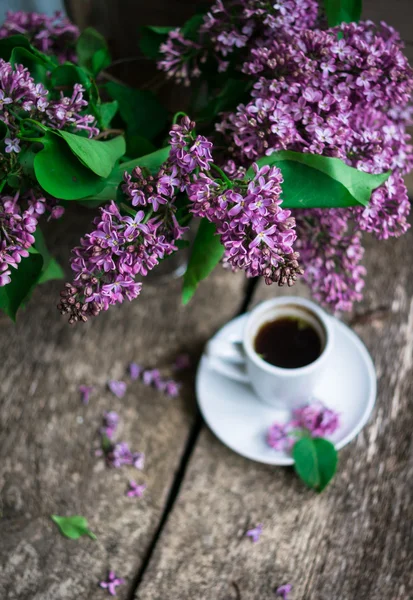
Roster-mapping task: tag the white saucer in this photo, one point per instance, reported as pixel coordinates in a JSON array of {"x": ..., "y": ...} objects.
[{"x": 240, "y": 420}]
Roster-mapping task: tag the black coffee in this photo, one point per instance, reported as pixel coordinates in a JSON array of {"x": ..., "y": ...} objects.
[{"x": 288, "y": 342}]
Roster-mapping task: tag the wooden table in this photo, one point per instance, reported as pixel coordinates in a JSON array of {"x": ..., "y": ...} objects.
[{"x": 184, "y": 539}]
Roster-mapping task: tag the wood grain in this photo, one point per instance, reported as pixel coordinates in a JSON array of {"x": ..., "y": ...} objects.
[
  {"x": 47, "y": 465},
  {"x": 352, "y": 541}
]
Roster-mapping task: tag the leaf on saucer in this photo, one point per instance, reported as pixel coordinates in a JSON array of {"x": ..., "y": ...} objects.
[{"x": 315, "y": 462}]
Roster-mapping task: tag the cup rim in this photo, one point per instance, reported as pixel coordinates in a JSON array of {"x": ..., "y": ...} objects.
[{"x": 319, "y": 313}]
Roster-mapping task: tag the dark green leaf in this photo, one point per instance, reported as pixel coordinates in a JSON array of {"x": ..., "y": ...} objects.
[
  {"x": 314, "y": 181},
  {"x": 342, "y": 11},
  {"x": 91, "y": 42},
  {"x": 207, "y": 251},
  {"x": 191, "y": 27},
  {"x": 73, "y": 527},
  {"x": 315, "y": 461},
  {"x": 65, "y": 76},
  {"x": 100, "y": 60},
  {"x": 140, "y": 109},
  {"x": 23, "y": 280},
  {"x": 99, "y": 157},
  {"x": 51, "y": 272},
  {"x": 36, "y": 65},
  {"x": 137, "y": 145},
  {"x": 105, "y": 113},
  {"x": 150, "y": 39},
  {"x": 228, "y": 98},
  {"x": 61, "y": 174},
  {"x": 13, "y": 41},
  {"x": 4, "y": 131}
]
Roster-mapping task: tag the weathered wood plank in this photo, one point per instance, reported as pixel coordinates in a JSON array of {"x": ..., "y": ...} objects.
[
  {"x": 46, "y": 461},
  {"x": 350, "y": 542}
]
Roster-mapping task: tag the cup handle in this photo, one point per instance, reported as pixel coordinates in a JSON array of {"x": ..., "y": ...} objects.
[{"x": 228, "y": 358}]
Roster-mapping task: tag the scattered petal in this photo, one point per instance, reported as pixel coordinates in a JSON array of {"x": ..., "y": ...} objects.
[
  {"x": 85, "y": 391},
  {"x": 135, "y": 490},
  {"x": 135, "y": 371},
  {"x": 284, "y": 590},
  {"x": 255, "y": 533},
  {"x": 111, "y": 583},
  {"x": 117, "y": 387}
]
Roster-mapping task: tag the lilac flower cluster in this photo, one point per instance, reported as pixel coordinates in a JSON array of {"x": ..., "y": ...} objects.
[
  {"x": 341, "y": 92},
  {"x": 315, "y": 418},
  {"x": 21, "y": 98},
  {"x": 229, "y": 29},
  {"x": 256, "y": 232},
  {"x": 54, "y": 35}
]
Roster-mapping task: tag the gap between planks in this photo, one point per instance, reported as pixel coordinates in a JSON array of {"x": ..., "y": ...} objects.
[{"x": 190, "y": 445}]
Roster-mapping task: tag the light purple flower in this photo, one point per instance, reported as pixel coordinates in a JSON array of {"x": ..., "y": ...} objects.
[
  {"x": 255, "y": 533},
  {"x": 279, "y": 437},
  {"x": 135, "y": 371},
  {"x": 111, "y": 421},
  {"x": 316, "y": 418},
  {"x": 172, "y": 388},
  {"x": 12, "y": 145},
  {"x": 117, "y": 387},
  {"x": 135, "y": 490},
  {"x": 85, "y": 391},
  {"x": 138, "y": 460},
  {"x": 111, "y": 583},
  {"x": 284, "y": 590}
]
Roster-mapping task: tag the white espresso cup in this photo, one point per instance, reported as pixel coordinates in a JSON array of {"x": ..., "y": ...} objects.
[{"x": 283, "y": 388}]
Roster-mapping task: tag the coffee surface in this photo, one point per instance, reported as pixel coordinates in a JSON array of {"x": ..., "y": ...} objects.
[{"x": 288, "y": 342}]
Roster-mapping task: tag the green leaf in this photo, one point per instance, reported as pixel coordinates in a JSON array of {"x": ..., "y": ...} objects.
[
  {"x": 99, "y": 157},
  {"x": 73, "y": 527},
  {"x": 137, "y": 145},
  {"x": 342, "y": 11},
  {"x": 65, "y": 76},
  {"x": 61, "y": 174},
  {"x": 105, "y": 113},
  {"x": 150, "y": 39},
  {"x": 207, "y": 251},
  {"x": 140, "y": 109},
  {"x": 191, "y": 27},
  {"x": 4, "y": 130},
  {"x": 92, "y": 50},
  {"x": 23, "y": 280},
  {"x": 314, "y": 181},
  {"x": 315, "y": 461},
  {"x": 36, "y": 65},
  {"x": 51, "y": 268},
  {"x": 8, "y": 44}
]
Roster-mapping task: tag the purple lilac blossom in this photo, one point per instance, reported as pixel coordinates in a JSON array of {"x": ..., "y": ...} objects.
[
  {"x": 111, "y": 583},
  {"x": 255, "y": 533},
  {"x": 110, "y": 423},
  {"x": 54, "y": 35},
  {"x": 279, "y": 437},
  {"x": 135, "y": 371},
  {"x": 256, "y": 232},
  {"x": 317, "y": 419},
  {"x": 284, "y": 590},
  {"x": 341, "y": 92},
  {"x": 135, "y": 490},
  {"x": 85, "y": 391},
  {"x": 117, "y": 387},
  {"x": 120, "y": 454}
]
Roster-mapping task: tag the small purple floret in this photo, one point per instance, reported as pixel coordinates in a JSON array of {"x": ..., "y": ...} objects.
[
  {"x": 135, "y": 490},
  {"x": 182, "y": 362},
  {"x": 255, "y": 533},
  {"x": 85, "y": 391},
  {"x": 117, "y": 387},
  {"x": 284, "y": 590},
  {"x": 319, "y": 420},
  {"x": 111, "y": 583},
  {"x": 135, "y": 371}
]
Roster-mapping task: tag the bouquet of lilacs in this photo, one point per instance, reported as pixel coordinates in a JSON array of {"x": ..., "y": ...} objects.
[{"x": 295, "y": 144}]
